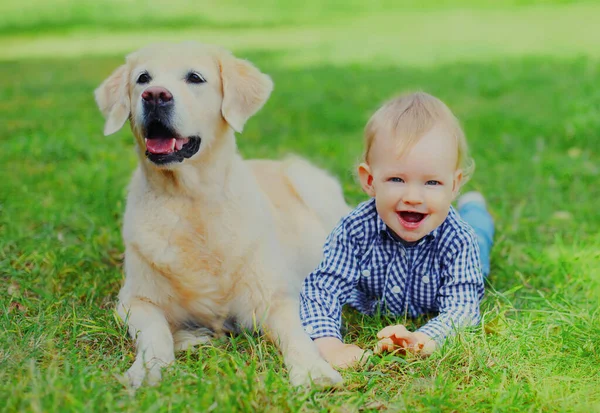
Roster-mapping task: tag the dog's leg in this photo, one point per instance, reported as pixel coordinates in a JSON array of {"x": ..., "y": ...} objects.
[
  {"x": 154, "y": 341},
  {"x": 187, "y": 339},
  {"x": 301, "y": 356}
]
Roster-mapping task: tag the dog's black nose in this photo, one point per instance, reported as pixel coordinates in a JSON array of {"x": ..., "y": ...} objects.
[{"x": 156, "y": 96}]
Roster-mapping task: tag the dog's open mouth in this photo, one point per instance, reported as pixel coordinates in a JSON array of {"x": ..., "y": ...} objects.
[{"x": 164, "y": 146}]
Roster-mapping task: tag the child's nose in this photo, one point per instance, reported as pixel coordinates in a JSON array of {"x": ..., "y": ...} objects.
[{"x": 413, "y": 195}]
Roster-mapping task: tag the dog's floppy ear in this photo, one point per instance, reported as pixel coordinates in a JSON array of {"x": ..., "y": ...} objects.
[
  {"x": 245, "y": 90},
  {"x": 111, "y": 97}
]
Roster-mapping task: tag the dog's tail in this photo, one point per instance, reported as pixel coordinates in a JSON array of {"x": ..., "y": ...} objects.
[{"x": 321, "y": 192}]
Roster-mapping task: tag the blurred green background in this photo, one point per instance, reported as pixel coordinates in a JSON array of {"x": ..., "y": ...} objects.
[{"x": 523, "y": 78}]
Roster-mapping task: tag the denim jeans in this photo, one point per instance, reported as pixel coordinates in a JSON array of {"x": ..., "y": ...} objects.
[{"x": 476, "y": 215}]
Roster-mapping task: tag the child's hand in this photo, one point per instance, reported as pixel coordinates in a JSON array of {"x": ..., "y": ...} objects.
[
  {"x": 398, "y": 337},
  {"x": 340, "y": 355}
]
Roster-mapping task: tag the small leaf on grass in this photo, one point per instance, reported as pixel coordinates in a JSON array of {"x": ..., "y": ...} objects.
[
  {"x": 496, "y": 325},
  {"x": 17, "y": 307},
  {"x": 395, "y": 359},
  {"x": 374, "y": 405},
  {"x": 562, "y": 215},
  {"x": 13, "y": 289},
  {"x": 574, "y": 152},
  {"x": 591, "y": 168}
]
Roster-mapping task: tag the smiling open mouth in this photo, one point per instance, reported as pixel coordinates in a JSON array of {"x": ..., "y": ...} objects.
[
  {"x": 164, "y": 146},
  {"x": 410, "y": 219}
]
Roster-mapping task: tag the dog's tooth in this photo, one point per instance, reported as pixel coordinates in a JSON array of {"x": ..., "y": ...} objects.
[{"x": 179, "y": 142}]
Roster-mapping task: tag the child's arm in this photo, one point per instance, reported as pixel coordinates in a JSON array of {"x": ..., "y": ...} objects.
[
  {"x": 460, "y": 294},
  {"x": 458, "y": 301},
  {"x": 325, "y": 291}
]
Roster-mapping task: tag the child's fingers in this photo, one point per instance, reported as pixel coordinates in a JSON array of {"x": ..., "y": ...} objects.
[
  {"x": 390, "y": 344},
  {"x": 428, "y": 348},
  {"x": 385, "y": 344},
  {"x": 348, "y": 356},
  {"x": 396, "y": 330},
  {"x": 415, "y": 347},
  {"x": 404, "y": 339}
]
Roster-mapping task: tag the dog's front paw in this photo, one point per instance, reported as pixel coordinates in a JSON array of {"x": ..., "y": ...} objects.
[
  {"x": 319, "y": 373},
  {"x": 134, "y": 377},
  {"x": 139, "y": 372}
]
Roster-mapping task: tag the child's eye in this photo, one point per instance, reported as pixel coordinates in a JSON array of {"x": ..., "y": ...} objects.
[
  {"x": 433, "y": 182},
  {"x": 395, "y": 179}
]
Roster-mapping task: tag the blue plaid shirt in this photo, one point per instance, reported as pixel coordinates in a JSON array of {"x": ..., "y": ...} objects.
[{"x": 367, "y": 266}]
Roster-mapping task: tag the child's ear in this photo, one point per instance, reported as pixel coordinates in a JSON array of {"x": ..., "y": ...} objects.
[
  {"x": 458, "y": 176},
  {"x": 366, "y": 179}
]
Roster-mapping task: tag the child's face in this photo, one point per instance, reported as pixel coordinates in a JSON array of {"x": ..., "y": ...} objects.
[{"x": 413, "y": 192}]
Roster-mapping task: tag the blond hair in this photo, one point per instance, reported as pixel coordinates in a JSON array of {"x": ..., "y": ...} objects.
[{"x": 410, "y": 116}]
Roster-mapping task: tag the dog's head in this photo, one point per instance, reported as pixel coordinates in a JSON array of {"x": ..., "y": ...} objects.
[{"x": 179, "y": 98}]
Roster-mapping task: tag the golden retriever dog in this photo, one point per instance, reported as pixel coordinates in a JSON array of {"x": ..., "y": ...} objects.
[{"x": 210, "y": 238}]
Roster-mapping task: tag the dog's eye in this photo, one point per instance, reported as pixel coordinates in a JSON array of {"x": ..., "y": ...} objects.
[
  {"x": 194, "y": 77},
  {"x": 143, "y": 78}
]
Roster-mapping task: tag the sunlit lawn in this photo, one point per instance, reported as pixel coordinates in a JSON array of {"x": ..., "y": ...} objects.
[{"x": 522, "y": 78}]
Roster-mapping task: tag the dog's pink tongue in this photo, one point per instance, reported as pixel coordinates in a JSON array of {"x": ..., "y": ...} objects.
[{"x": 160, "y": 145}]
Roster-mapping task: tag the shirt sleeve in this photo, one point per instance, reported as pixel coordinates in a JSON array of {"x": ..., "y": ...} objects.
[
  {"x": 328, "y": 288},
  {"x": 459, "y": 296}
]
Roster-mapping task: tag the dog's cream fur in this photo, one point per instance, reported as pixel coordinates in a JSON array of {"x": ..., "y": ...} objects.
[{"x": 215, "y": 237}]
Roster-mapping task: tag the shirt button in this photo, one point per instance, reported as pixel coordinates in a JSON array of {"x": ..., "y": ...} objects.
[
  {"x": 309, "y": 329},
  {"x": 396, "y": 289},
  {"x": 366, "y": 273},
  {"x": 425, "y": 280}
]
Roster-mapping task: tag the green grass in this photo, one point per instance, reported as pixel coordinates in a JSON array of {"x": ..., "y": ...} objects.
[
  {"x": 525, "y": 87},
  {"x": 375, "y": 37},
  {"x": 63, "y": 15}
]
